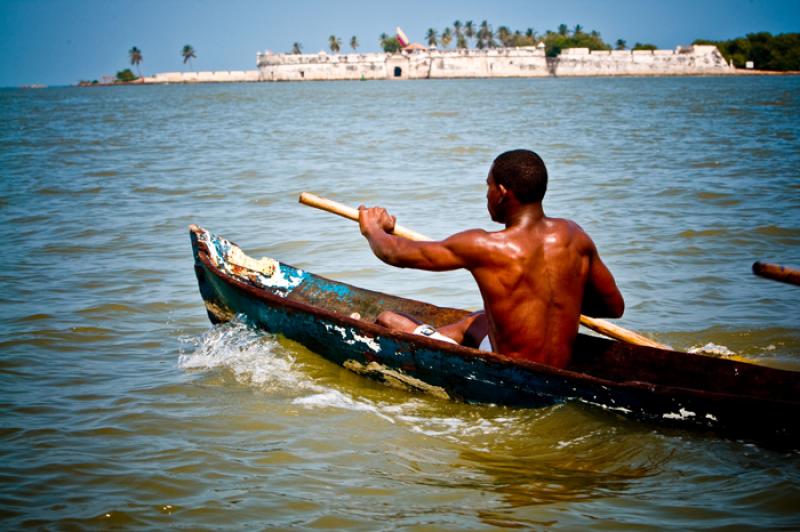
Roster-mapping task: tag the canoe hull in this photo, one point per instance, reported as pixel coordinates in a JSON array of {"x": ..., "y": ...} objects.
[{"x": 315, "y": 312}]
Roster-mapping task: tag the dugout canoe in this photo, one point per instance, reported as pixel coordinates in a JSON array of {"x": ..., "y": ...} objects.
[{"x": 336, "y": 320}]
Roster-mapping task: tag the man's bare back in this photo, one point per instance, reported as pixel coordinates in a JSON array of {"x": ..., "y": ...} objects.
[{"x": 535, "y": 277}]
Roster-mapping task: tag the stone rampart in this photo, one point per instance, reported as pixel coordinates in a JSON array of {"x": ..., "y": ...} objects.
[
  {"x": 524, "y": 62},
  {"x": 318, "y": 67},
  {"x": 682, "y": 61},
  {"x": 219, "y": 76},
  {"x": 429, "y": 64}
]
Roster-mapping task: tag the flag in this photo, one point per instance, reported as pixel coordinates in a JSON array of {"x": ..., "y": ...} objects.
[{"x": 401, "y": 37}]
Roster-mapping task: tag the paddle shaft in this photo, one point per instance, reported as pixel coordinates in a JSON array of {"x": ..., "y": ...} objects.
[
  {"x": 601, "y": 326},
  {"x": 777, "y": 272},
  {"x": 350, "y": 213}
]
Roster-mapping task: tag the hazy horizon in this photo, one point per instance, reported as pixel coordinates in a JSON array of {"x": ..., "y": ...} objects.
[{"x": 57, "y": 43}]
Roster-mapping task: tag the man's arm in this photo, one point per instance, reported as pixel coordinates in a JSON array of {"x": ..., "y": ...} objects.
[
  {"x": 461, "y": 250},
  {"x": 601, "y": 297}
]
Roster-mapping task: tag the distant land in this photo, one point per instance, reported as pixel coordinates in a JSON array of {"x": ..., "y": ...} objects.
[{"x": 481, "y": 52}]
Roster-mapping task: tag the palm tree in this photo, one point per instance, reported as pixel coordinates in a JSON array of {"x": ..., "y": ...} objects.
[
  {"x": 621, "y": 44},
  {"x": 188, "y": 54},
  {"x": 136, "y": 58},
  {"x": 297, "y": 48},
  {"x": 469, "y": 30},
  {"x": 382, "y": 39},
  {"x": 578, "y": 30},
  {"x": 563, "y": 30},
  {"x": 432, "y": 37},
  {"x": 505, "y": 35},
  {"x": 457, "y": 28},
  {"x": 353, "y": 43},
  {"x": 461, "y": 41},
  {"x": 335, "y": 43},
  {"x": 447, "y": 37},
  {"x": 485, "y": 36}
]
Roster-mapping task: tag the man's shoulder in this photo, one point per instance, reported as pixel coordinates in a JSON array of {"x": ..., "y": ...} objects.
[
  {"x": 571, "y": 231},
  {"x": 565, "y": 223},
  {"x": 470, "y": 237},
  {"x": 474, "y": 244}
]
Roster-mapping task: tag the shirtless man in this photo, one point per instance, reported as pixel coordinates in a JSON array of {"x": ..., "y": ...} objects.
[{"x": 536, "y": 276}]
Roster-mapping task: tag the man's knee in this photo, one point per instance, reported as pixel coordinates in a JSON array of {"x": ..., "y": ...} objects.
[
  {"x": 393, "y": 320},
  {"x": 385, "y": 318}
]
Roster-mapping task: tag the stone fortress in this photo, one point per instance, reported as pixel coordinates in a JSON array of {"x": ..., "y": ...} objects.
[{"x": 522, "y": 62}]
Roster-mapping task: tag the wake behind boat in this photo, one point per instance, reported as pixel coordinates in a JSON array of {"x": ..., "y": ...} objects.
[{"x": 336, "y": 320}]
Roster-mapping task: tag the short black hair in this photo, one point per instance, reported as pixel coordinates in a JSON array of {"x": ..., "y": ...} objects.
[{"x": 523, "y": 173}]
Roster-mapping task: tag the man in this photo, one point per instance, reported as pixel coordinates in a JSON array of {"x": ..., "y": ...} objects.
[{"x": 536, "y": 276}]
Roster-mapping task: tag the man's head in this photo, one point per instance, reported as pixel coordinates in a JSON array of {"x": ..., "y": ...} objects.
[{"x": 519, "y": 173}]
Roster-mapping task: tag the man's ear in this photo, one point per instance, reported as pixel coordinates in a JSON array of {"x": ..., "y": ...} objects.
[{"x": 503, "y": 191}]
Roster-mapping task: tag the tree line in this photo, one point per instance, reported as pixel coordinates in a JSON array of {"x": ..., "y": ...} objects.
[
  {"x": 481, "y": 36},
  {"x": 135, "y": 55},
  {"x": 767, "y": 52}
]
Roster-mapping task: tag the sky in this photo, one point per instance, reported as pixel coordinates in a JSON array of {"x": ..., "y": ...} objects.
[{"x": 59, "y": 42}]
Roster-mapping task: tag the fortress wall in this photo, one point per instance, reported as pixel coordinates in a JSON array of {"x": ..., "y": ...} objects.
[
  {"x": 431, "y": 64},
  {"x": 319, "y": 67},
  {"x": 522, "y": 62},
  {"x": 499, "y": 62},
  {"x": 681, "y": 61},
  {"x": 219, "y": 76}
]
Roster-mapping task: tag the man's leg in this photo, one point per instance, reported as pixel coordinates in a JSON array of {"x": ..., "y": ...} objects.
[
  {"x": 468, "y": 331},
  {"x": 397, "y": 321}
]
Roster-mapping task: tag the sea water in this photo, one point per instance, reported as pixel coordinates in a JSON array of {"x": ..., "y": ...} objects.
[{"x": 121, "y": 405}]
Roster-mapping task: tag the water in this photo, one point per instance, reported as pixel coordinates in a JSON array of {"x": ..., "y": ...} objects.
[{"x": 122, "y": 406}]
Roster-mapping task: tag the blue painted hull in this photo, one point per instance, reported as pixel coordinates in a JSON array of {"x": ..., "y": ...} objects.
[{"x": 667, "y": 387}]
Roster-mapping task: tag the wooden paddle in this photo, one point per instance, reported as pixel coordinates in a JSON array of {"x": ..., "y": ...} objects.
[{"x": 601, "y": 326}]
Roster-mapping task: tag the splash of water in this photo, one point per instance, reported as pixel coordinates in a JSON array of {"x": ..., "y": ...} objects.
[
  {"x": 257, "y": 359},
  {"x": 711, "y": 349},
  {"x": 254, "y": 358}
]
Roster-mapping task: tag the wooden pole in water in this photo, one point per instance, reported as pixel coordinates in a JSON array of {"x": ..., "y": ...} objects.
[
  {"x": 777, "y": 272},
  {"x": 603, "y": 327}
]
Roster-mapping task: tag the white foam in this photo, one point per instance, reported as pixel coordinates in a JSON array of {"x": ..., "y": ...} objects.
[
  {"x": 711, "y": 349},
  {"x": 257, "y": 359},
  {"x": 337, "y": 399},
  {"x": 457, "y": 429},
  {"x": 578, "y": 440},
  {"x": 253, "y": 357}
]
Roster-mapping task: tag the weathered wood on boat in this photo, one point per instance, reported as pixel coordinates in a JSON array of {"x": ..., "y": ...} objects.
[
  {"x": 679, "y": 389},
  {"x": 777, "y": 272}
]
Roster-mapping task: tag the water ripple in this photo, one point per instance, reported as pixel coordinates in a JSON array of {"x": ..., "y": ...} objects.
[{"x": 123, "y": 407}]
